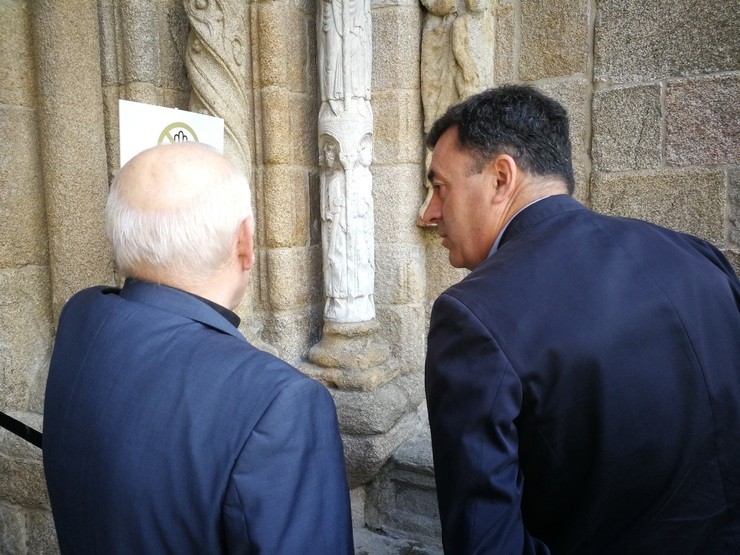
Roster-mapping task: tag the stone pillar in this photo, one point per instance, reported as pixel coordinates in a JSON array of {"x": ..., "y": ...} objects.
[
  {"x": 72, "y": 144},
  {"x": 351, "y": 358}
]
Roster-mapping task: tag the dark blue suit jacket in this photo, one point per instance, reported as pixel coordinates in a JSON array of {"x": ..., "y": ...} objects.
[
  {"x": 166, "y": 432},
  {"x": 583, "y": 386}
]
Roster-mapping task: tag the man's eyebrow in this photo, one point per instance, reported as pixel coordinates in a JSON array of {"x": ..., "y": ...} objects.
[{"x": 430, "y": 175}]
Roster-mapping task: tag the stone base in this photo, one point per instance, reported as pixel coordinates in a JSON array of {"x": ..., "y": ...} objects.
[
  {"x": 351, "y": 357},
  {"x": 377, "y": 411}
]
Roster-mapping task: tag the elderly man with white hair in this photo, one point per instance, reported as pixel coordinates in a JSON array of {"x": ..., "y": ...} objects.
[{"x": 165, "y": 431}]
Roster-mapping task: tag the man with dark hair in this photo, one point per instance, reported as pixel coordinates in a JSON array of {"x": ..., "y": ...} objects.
[{"x": 583, "y": 381}]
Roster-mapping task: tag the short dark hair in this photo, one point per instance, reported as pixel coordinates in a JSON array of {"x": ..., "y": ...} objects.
[{"x": 517, "y": 120}]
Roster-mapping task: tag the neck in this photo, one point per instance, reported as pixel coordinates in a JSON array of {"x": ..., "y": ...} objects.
[
  {"x": 220, "y": 288},
  {"x": 531, "y": 190}
]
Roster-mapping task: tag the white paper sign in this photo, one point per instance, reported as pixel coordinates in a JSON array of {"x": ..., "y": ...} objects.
[{"x": 143, "y": 126}]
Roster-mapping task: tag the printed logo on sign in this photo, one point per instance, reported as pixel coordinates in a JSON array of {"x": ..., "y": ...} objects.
[{"x": 177, "y": 132}]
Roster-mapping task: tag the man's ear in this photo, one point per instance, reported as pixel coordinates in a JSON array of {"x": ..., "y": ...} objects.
[
  {"x": 505, "y": 174},
  {"x": 245, "y": 243}
]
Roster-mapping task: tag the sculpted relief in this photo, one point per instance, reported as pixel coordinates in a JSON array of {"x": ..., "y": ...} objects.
[
  {"x": 345, "y": 151},
  {"x": 457, "y": 48},
  {"x": 217, "y": 63}
]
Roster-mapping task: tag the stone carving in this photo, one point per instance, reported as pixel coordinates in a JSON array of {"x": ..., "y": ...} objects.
[
  {"x": 345, "y": 152},
  {"x": 457, "y": 48},
  {"x": 345, "y": 53},
  {"x": 217, "y": 63},
  {"x": 217, "y": 60}
]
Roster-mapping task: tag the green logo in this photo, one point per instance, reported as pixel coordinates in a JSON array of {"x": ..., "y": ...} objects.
[{"x": 177, "y": 132}]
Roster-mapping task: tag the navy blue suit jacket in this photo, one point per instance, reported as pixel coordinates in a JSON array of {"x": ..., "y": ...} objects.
[
  {"x": 583, "y": 386},
  {"x": 165, "y": 431}
]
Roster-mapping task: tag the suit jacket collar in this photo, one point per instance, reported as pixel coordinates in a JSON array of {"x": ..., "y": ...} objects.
[
  {"x": 538, "y": 213},
  {"x": 178, "y": 302}
]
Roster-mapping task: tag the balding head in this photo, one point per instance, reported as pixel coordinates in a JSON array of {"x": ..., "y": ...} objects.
[{"x": 174, "y": 211}]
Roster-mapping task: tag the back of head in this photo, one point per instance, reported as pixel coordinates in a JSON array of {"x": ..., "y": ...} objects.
[
  {"x": 175, "y": 210},
  {"x": 516, "y": 120}
]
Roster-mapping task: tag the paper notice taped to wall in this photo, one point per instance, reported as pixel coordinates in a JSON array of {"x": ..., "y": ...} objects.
[{"x": 143, "y": 126}]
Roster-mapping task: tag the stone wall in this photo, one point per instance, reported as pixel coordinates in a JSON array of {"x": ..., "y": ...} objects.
[
  {"x": 652, "y": 88},
  {"x": 666, "y": 139},
  {"x": 25, "y": 284}
]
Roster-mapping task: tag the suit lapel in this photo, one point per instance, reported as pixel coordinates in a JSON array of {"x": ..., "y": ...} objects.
[{"x": 178, "y": 302}]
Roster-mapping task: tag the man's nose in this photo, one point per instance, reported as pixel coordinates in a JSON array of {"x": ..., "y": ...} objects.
[{"x": 433, "y": 212}]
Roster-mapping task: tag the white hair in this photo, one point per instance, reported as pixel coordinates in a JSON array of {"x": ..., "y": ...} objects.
[{"x": 193, "y": 240}]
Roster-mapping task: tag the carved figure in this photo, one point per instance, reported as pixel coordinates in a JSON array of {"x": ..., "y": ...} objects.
[
  {"x": 361, "y": 231},
  {"x": 457, "y": 48},
  {"x": 345, "y": 52},
  {"x": 334, "y": 218},
  {"x": 345, "y": 150}
]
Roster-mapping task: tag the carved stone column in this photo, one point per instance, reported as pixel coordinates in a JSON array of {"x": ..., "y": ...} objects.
[{"x": 351, "y": 358}]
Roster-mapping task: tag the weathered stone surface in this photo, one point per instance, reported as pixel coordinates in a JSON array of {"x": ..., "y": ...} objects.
[
  {"x": 505, "y": 60},
  {"x": 398, "y": 137},
  {"x": 555, "y": 38},
  {"x": 351, "y": 356},
  {"x": 292, "y": 277},
  {"x": 293, "y": 332},
  {"x": 733, "y": 195},
  {"x": 287, "y": 55},
  {"x": 42, "y": 537},
  {"x": 638, "y": 41},
  {"x": 286, "y": 210},
  {"x": 734, "y": 257},
  {"x": 397, "y": 193},
  {"x": 290, "y": 125},
  {"x": 473, "y": 45},
  {"x": 143, "y": 41},
  {"x": 14, "y": 446},
  {"x": 689, "y": 200},
  {"x": 366, "y": 454},
  {"x": 457, "y": 53},
  {"x": 377, "y": 411},
  {"x": 396, "y": 51},
  {"x": 372, "y": 543},
  {"x": 72, "y": 140},
  {"x": 357, "y": 498},
  {"x": 403, "y": 328},
  {"x": 16, "y": 61},
  {"x": 218, "y": 62},
  {"x": 575, "y": 96},
  {"x": 23, "y": 482},
  {"x": 13, "y": 535},
  {"x": 392, "y": 3},
  {"x": 403, "y": 499},
  {"x": 22, "y": 210},
  {"x": 25, "y": 332},
  {"x": 627, "y": 128},
  {"x": 702, "y": 122},
  {"x": 399, "y": 274}
]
